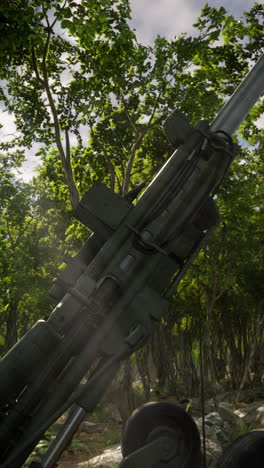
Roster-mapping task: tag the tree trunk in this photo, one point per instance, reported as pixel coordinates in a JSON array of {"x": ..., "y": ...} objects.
[
  {"x": 249, "y": 361},
  {"x": 11, "y": 327},
  {"x": 142, "y": 360},
  {"x": 159, "y": 356},
  {"x": 126, "y": 398}
]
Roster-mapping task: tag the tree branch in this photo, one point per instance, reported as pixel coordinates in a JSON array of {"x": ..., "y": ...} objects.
[
  {"x": 139, "y": 137},
  {"x": 68, "y": 148},
  {"x": 135, "y": 146},
  {"x": 65, "y": 158},
  {"x": 108, "y": 161},
  {"x": 131, "y": 121},
  {"x": 35, "y": 66},
  {"x": 13, "y": 244},
  {"x": 155, "y": 108},
  {"x": 50, "y": 26}
]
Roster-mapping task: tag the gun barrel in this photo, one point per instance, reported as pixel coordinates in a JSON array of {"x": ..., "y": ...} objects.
[{"x": 242, "y": 100}]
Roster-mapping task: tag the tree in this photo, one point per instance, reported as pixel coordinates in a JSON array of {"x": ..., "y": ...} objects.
[
  {"x": 30, "y": 252},
  {"x": 222, "y": 293},
  {"x": 47, "y": 109},
  {"x": 80, "y": 66}
]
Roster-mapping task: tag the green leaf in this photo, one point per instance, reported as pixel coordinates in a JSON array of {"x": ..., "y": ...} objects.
[{"x": 66, "y": 24}]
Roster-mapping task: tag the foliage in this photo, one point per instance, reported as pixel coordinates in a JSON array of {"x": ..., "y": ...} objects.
[
  {"x": 44, "y": 443},
  {"x": 80, "y": 69},
  {"x": 80, "y": 85},
  {"x": 40, "y": 448},
  {"x": 29, "y": 253},
  {"x": 221, "y": 296},
  {"x": 238, "y": 430}
]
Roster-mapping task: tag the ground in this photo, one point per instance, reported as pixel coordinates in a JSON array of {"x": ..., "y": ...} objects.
[{"x": 85, "y": 446}]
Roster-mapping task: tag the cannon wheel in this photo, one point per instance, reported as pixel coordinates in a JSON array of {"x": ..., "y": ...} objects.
[
  {"x": 146, "y": 420},
  {"x": 246, "y": 451}
]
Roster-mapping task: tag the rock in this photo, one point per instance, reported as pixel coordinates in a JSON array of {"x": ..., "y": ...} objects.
[
  {"x": 89, "y": 427},
  {"x": 213, "y": 452},
  {"x": 251, "y": 396},
  {"x": 217, "y": 436},
  {"x": 211, "y": 420},
  {"x": 224, "y": 396},
  {"x": 195, "y": 407},
  {"x": 227, "y": 414},
  {"x": 110, "y": 458},
  {"x": 216, "y": 430},
  {"x": 252, "y": 414}
]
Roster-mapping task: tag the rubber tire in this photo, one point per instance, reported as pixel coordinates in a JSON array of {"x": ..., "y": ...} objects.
[
  {"x": 245, "y": 452},
  {"x": 151, "y": 415}
]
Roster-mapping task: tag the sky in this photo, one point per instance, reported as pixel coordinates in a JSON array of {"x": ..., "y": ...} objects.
[
  {"x": 171, "y": 17},
  {"x": 149, "y": 18}
]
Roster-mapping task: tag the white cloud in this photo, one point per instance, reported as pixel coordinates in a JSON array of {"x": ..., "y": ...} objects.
[
  {"x": 260, "y": 122},
  {"x": 171, "y": 17},
  {"x": 8, "y": 131},
  {"x": 164, "y": 17},
  {"x": 29, "y": 167}
]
